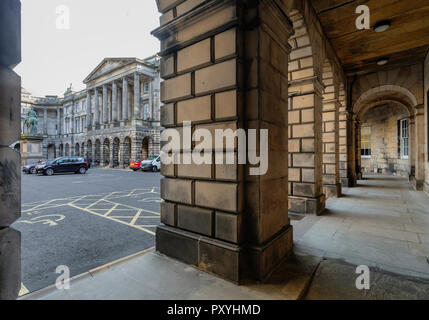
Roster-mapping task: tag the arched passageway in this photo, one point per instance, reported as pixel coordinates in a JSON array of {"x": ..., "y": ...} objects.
[
  {"x": 106, "y": 152},
  {"x": 97, "y": 155}
]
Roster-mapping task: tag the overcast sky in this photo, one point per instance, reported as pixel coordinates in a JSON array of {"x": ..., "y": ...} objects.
[{"x": 53, "y": 58}]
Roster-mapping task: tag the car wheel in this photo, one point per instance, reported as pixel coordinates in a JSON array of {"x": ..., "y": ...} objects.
[
  {"x": 154, "y": 169},
  {"x": 135, "y": 169},
  {"x": 49, "y": 172},
  {"x": 82, "y": 170},
  {"x": 33, "y": 170}
]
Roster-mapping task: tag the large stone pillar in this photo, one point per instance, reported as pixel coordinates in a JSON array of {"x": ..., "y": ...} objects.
[
  {"x": 105, "y": 104},
  {"x": 218, "y": 217},
  {"x": 330, "y": 117},
  {"x": 357, "y": 150},
  {"x": 124, "y": 99},
  {"x": 10, "y": 160},
  {"x": 115, "y": 101},
  {"x": 137, "y": 106},
  {"x": 419, "y": 143},
  {"x": 96, "y": 107}
]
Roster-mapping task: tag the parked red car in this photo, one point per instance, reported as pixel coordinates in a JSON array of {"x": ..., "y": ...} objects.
[{"x": 135, "y": 166}]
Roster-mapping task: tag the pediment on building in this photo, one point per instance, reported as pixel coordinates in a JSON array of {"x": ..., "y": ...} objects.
[{"x": 108, "y": 65}]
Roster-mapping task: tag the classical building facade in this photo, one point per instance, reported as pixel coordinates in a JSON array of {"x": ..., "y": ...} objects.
[{"x": 113, "y": 121}]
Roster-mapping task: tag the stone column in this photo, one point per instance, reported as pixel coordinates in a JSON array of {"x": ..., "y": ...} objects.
[
  {"x": 151, "y": 104},
  {"x": 358, "y": 157},
  {"x": 96, "y": 107},
  {"x": 344, "y": 118},
  {"x": 419, "y": 147},
  {"x": 130, "y": 103},
  {"x": 217, "y": 217},
  {"x": 412, "y": 152},
  {"x": 124, "y": 99},
  {"x": 10, "y": 160},
  {"x": 58, "y": 121},
  {"x": 105, "y": 105},
  {"x": 88, "y": 108},
  {"x": 330, "y": 117},
  {"x": 111, "y": 164},
  {"x": 137, "y": 106},
  {"x": 115, "y": 101},
  {"x": 305, "y": 126},
  {"x": 45, "y": 121}
]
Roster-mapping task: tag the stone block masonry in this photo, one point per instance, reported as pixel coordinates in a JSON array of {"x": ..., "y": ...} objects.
[
  {"x": 218, "y": 217},
  {"x": 10, "y": 130}
]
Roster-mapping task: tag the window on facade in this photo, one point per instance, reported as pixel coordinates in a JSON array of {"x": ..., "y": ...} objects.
[
  {"x": 84, "y": 105},
  {"x": 146, "y": 87},
  {"x": 68, "y": 126},
  {"x": 146, "y": 111},
  {"x": 83, "y": 124},
  {"x": 403, "y": 138},
  {"x": 366, "y": 141},
  {"x": 77, "y": 126}
]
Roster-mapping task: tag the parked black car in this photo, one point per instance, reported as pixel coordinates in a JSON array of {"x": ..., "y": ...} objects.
[
  {"x": 64, "y": 165},
  {"x": 31, "y": 168}
]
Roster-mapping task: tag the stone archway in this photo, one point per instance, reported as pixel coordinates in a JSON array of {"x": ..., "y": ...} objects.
[
  {"x": 116, "y": 149},
  {"x": 396, "y": 97},
  {"x": 97, "y": 155},
  {"x": 106, "y": 152}
]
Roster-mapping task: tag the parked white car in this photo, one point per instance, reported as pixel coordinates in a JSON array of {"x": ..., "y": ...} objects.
[{"x": 152, "y": 163}]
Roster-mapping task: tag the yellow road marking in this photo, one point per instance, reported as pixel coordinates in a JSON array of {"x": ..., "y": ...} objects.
[
  {"x": 133, "y": 221},
  {"x": 23, "y": 290},
  {"x": 109, "y": 218},
  {"x": 135, "y": 208},
  {"x": 111, "y": 210}
]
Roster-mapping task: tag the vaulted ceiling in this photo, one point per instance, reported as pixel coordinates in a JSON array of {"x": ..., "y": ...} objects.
[{"x": 405, "y": 42}]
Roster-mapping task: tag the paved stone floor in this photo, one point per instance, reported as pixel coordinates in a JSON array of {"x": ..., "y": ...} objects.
[
  {"x": 382, "y": 223},
  {"x": 84, "y": 221}
]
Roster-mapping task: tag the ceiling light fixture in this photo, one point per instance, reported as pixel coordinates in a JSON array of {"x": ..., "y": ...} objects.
[
  {"x": 383, "y": 61},
  {"x": 382, "y": 26}
]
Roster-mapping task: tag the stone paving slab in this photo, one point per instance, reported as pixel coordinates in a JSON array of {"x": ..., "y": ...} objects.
[{"x": 336, "y": 280}]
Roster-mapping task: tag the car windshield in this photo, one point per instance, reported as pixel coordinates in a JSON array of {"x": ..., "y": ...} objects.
[{"x": 151, "y": 158}]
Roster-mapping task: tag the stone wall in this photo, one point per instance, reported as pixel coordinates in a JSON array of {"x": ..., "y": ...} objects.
[
  {"x": 10, "y": 130},
  {"x": 384, "y": 158}
]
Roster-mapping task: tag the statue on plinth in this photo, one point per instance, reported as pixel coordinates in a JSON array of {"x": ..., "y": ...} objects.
[{"x": 31, "y": 122}]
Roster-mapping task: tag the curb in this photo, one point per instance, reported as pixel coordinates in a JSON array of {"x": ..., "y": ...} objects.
[{"x": 45, "y": 291}]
